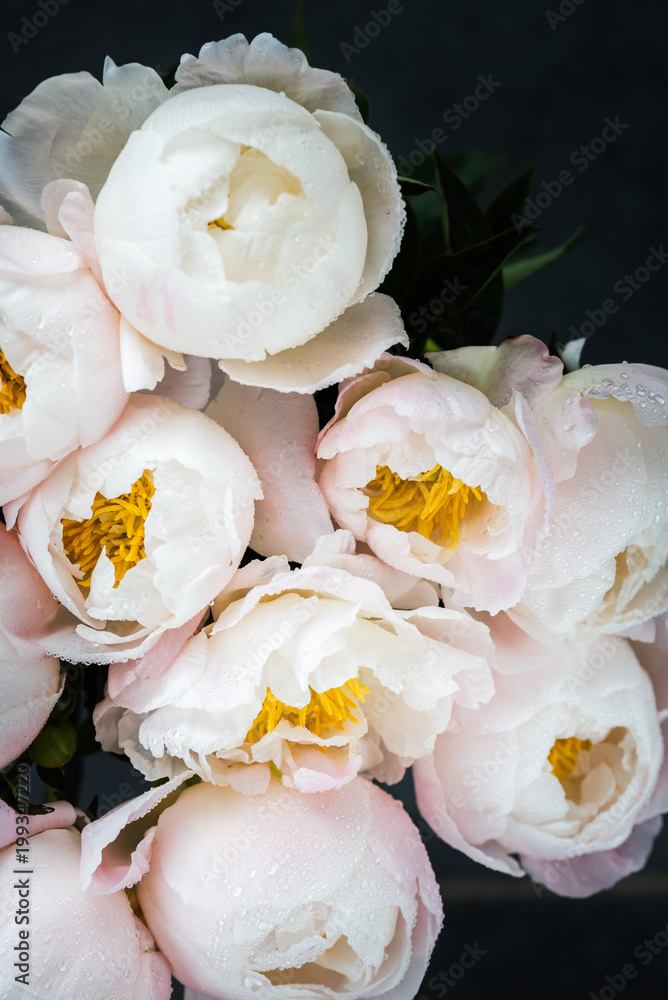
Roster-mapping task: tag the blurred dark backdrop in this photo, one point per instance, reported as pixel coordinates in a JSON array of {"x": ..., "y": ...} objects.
[{"x": 558, "y": 72}]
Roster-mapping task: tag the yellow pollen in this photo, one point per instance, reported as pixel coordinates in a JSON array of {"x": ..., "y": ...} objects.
[
  {"x": 12, "y": 387},
  {"x": 326, "y": 710},
  {"x": 220, "y": 223},
  {"x": 422, "y": 503},
  {"x": 116, "y": 525},
  {"x": 564, "y": 756}
]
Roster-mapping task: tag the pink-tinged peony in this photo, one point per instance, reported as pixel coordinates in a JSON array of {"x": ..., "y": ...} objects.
[
  {"x": 561, "y": 767},
  {"x": 30, "y": 681},
  {"x": 309, "y": 674},
  {"x": 604, "y": 566},
  {"x": 245, "y": 215},
  {"x": 61, "y": 379},
  {"x": 278, "y": 895},
  {"x": 75, "y": 946},
  {"x": 136, "y": 534},
  {"x": 438, "y": 479}
]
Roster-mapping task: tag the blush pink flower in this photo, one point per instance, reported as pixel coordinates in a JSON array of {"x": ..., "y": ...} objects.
[
  {"x": 326, "y": 895},
  {"x": 78, "y": 945},
  {"x": 603, "y": 567},
  {"x": 439, "y": 480},
  {"x": 560, "y": 767}
]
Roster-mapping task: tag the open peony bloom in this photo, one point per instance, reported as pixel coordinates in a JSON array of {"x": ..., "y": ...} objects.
[
  {"x": 75, "y": 946},
  {"x": 604, "y": 565},
  {"x": 281, "y": 895},
  {"x": 308, "y": 674},
  {"x": 245, "y": 215},
  {"x": 560, "y": 767},
  {"x": 61, "y": 382},
  {"x": 437, "y": 479},
  {"x": 136, "y": 534},
  {"x": 30, "y": 681}
]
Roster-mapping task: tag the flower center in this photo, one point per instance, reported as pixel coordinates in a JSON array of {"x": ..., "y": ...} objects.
[
  {"x": 564, "y": 756},
  {"x": 116, "y": 525},
  {"x": 422, "y": 503},
  {"x": 12, "y": 387},
  {"x": 325, "y": 710}
]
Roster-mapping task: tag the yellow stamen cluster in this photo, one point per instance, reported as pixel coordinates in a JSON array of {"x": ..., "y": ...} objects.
[
  {"x": 12, "y": 387},
  {"x": 422, "y": 503},
  {"x": 564, "y": 756},
  {"x": 116, "y": 525},
  {"x": 222, "y": 222},
  {"x": 326, "y": 710}
]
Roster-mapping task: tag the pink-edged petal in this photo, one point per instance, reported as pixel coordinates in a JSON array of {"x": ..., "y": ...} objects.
[
  {"x": 320, "y": 772},
  {"x": 658, "y": 803},
  {"x": 116, "y": 849},
  {"x": 266, "y": 62},
  {"x": 194, "y": 995},
  {"x": 402, "y": 590},
  {"x": 587, "y": 874},
  {"x": 346, "y": 347},
  {"x": 69, "y": 210},
  {"x": 278, "y": 432},
  {"x": 441, "y": 818},
  {"x": 71, "y": 126},
  {"x": 371, "y": 167},
  {"x": 190, "y": 386},
  {"x": 156, "y": 660},
  {"x": 26, "y": 600},
  {"x": 61, "y": 814},
  {"x": 521, "y": 363}
]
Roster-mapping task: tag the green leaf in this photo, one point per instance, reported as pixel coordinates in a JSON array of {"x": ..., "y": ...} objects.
[
  {"x": 473, "y": 167},
  {"x": 297, "y": 38},
  {"x": 457, "y": 299},
  {"x": 65, "y": 704},
  {"x": 411, "y": 188},
  {"x": 429, "y": 216},
  {"x": 510, "y": 200},
  {"x": 55, "y": 745},
  {"x": 361, "y": 100},
  {"x": 464, "y": 223},
  {"x": 515, "y": 272}
]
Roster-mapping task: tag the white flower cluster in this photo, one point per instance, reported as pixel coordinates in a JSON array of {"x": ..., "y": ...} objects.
[{"x": 464, "y": 570}]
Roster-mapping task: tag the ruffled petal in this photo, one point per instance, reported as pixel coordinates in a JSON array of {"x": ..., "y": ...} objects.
[
  {"x": 521, "y": 363},
  {"x": 266, "y": 62},
  {"x": 346, "y": 347},
  {"x": 71, "y": 126},
  {"x": 116, "y": 849}
]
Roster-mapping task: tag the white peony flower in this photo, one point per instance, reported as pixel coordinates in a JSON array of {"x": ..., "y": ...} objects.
[
  {"x": 74, "y": 947},
  {"x": 246, "y": 215},
  {"x": 136, "y": 534},
  {"x": 308, "y": 674},
  {"x": 437, "y": 479},
  {"x": 61, "y": 381},
  {"x": 604, "y": 565},
  {"x": 281, "y": 895},
  {"x": 559, "y": 767}
]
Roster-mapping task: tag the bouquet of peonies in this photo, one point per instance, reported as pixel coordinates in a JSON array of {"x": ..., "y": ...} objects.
[{"x": 276, "y": 554}]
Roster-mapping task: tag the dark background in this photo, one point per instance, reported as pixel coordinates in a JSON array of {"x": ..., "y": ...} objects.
[{"x": 558, "y": 81}]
